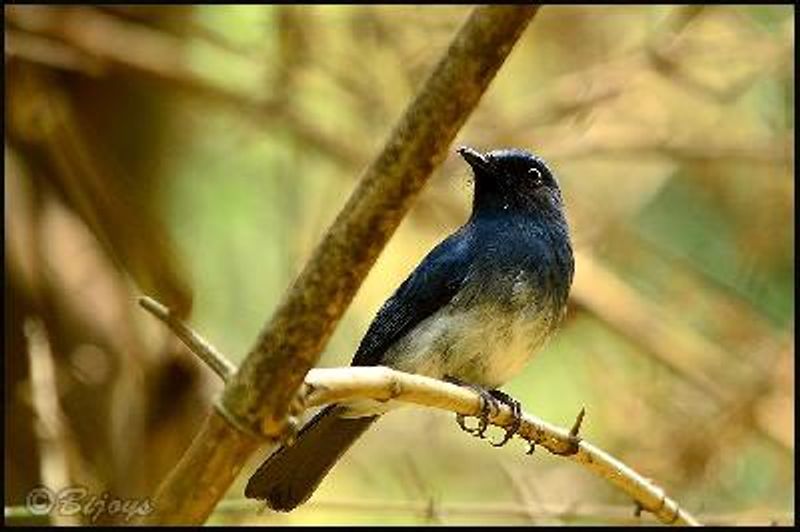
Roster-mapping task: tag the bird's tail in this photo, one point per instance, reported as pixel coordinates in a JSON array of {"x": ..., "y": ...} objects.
[{"x": 289, "y": 476}]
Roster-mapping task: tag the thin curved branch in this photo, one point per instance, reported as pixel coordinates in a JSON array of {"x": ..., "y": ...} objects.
[
  {"x": 332, "y": 385},
  {"x": 215, "y": 360}
]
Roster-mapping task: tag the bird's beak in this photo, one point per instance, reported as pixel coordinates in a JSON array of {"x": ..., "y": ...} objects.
[{"x": 474, "y": 158}]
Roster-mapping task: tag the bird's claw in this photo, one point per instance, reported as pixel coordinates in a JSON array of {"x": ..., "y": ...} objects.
[
  {"x": 516, "y": 412},
  {"x": 531, "y": 446},
  {"x": 487, "y": 404},
  {"x": 490, "y": 406}
]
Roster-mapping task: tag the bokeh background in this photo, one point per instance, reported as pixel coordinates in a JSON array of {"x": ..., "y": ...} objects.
[{"x": 198, "y": 153}]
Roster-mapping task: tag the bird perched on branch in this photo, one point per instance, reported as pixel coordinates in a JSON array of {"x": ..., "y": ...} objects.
[{"x": 474, "y": 311}]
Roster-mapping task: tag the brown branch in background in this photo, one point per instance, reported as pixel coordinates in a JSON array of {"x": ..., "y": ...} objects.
[
  {"x": 324, "y": 386},
  {"x": 543, "y": 514},
  {"x": 101, "y": 40},
  {"x": 666, "y": 338},
  {"x": 107, "y": 38},
  {"x": 51, "y": 428},
  {"x": 49, "y": 52},
  {"x": 756, "y": 346},
  {"x": 768, "y": 152},
  {"x": 50, "y": 133},
  {"x": 256, "y": 400}
]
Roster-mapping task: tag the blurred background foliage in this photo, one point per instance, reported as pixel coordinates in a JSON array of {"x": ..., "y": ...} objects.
[{"x": 197, "y": 154}]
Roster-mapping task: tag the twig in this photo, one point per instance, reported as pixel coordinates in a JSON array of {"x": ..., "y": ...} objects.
[
  {"x": 223, "y": 367},
  {"x": 333, "y": 385},
  {"x": 256, "y": 400}
]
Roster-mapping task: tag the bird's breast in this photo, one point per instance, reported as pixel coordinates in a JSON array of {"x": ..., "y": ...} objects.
[{"x": 485, "y": 336}]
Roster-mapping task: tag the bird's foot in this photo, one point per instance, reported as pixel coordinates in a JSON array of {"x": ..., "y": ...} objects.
[
  {"x": 490, "y": 403},
  {"x": 488, "y": 406},
  {"x": 516, "y": 412}
]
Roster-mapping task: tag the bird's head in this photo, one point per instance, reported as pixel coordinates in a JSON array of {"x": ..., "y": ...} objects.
[{"x": 513, "y": 181}]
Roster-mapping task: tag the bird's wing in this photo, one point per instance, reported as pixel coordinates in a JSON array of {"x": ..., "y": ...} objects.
[{"x": 431, "y": 286}]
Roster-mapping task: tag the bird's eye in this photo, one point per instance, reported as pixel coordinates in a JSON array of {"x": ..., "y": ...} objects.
[{"x": 536, "y": 175}]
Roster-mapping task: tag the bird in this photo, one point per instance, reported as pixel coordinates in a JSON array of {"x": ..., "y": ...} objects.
[{"x": 473, "y": 312}]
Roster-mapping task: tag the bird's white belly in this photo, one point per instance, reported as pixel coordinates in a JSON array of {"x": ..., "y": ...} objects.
[{"x": 483, "y": 345}]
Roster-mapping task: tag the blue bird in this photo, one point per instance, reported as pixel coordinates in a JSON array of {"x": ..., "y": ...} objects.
[{"x": 474, "y": 311}]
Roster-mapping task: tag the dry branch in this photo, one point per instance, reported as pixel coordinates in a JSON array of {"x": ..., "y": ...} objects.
[
  {"x": 207, "y": 353},
  {"x": 330, "y": 385},
  {"x": 323, "y": 386},
  {"x": 668, "y": 340},
  {"x": 256, "y": 399}
]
